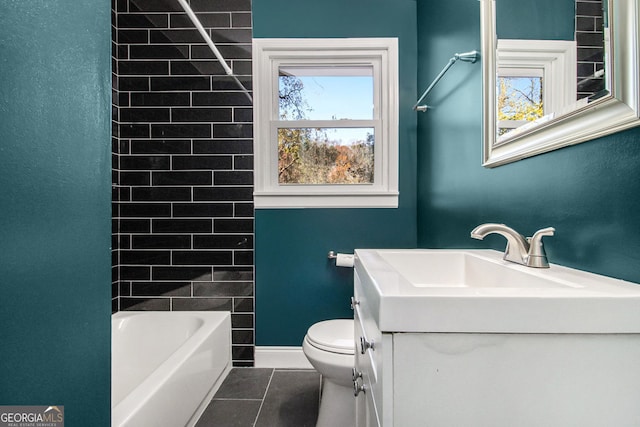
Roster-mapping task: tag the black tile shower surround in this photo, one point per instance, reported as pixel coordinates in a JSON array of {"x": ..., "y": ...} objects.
[
  {"x": 116, "y": 244},
  {"x": 183, "y": 163},
  {"x": 589, "y": 37}
]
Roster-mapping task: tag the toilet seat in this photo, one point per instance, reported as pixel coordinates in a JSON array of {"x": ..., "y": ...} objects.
[{"x": 335, "y": 336}]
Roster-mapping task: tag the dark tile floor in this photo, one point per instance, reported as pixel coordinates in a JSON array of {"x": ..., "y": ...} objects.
[{"x": 263, "y": 397}]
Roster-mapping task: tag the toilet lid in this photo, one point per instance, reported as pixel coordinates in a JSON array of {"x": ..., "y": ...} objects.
[{"x": 334, "y": 335}]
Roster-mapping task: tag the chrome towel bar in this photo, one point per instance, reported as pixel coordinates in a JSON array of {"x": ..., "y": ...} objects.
[{"x": 472, "y": 57}]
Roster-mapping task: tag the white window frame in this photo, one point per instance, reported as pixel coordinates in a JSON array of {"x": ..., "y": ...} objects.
[
  {"x": 556, "y": 59},
  {"x": 379, "y": 53}
]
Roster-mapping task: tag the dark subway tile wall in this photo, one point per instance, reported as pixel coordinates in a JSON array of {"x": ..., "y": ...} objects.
[
  {"x": 116, "y": 241},
  {"x": 590, "y": 46},
  {"x": 183, "y": 162}
]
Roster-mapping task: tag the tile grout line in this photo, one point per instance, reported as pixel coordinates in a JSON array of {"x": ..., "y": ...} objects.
[
  {"x": 264, "y": 398},
  {"x": 234, "y": 399}
]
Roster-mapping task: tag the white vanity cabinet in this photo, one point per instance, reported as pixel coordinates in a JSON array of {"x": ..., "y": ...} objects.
[{"x": 477, "y": 379}]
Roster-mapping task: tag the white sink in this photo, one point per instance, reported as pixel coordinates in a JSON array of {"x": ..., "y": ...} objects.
[{"x": 423, "y": 290}]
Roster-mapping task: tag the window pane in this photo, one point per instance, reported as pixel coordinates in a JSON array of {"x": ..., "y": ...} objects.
[
  {"x": 519, "y": 98},
  {"x": 519, "y": 101},
  {"x": 325, "y": 155},
  {"x": 325, "y": 93}
]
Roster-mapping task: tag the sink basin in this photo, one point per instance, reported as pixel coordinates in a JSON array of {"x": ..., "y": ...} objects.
[
  {"x": 463, "y": 269},
  {"x": 423, "y": 290}
]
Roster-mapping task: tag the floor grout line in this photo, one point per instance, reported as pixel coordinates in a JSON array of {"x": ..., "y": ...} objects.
[
  {"x": 236, "y": 398},
  {"x": 264, "y": 398}
]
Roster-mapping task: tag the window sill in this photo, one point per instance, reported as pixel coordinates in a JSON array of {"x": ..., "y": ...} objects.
[{"x": 263, "y": 200}]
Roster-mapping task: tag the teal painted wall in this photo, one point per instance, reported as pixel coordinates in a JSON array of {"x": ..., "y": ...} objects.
[
  {"x": 55, "y": 232},
  {"x": 296, "y": 285},
  {"x": 588, "y": 192},
  {"x": 536, "y": 20}
]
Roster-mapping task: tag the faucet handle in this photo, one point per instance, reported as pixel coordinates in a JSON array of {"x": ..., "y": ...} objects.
[
  {"x": 538, "y": 235},
  {"x": 537, "y": 255}
]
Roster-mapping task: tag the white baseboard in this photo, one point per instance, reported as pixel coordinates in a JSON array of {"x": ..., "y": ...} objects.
[{"x": 281, "y": 358}]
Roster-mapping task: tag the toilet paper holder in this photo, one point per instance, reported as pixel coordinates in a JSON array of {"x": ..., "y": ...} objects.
[
  {"x": 342, "y": 260},
  {"x": 334, "y": 255}
]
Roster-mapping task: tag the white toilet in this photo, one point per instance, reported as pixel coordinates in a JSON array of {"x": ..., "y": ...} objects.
[{"x": 329, "y": 346}]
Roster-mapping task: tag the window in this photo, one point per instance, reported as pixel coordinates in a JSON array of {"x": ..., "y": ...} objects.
[
  {"x": 326, "y": 122},
  {"x": 519, "y": 97},
  {"x": 535, "y": 82}
]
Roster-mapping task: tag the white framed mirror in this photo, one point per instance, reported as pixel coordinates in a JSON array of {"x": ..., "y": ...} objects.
[{"x": 570, "y": 116}]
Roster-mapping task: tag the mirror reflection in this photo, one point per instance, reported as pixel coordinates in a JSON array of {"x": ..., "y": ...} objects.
[{"x": 551, "y": 60}]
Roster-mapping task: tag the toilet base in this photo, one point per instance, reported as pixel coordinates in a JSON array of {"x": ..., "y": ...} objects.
[{"x": 337, "y": 406}]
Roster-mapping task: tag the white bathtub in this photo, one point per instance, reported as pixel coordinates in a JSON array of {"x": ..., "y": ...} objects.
[{"x": 166, "y": 366}]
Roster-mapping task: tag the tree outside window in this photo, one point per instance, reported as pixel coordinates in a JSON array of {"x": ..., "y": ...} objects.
[{"x": 323, "y": 155}]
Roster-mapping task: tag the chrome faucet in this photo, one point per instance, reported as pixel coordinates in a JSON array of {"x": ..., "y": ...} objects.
[{"x": 529, "y": 251}]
